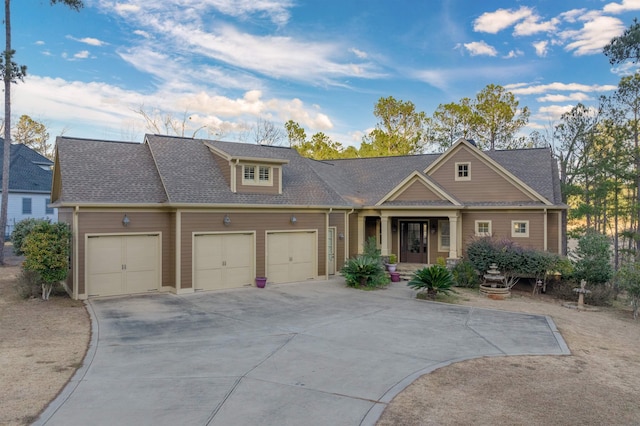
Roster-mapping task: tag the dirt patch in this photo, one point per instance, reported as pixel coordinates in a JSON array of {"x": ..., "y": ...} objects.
[
  {"x": 41, "y": 346},
  {"x": 598, "y": 384}
]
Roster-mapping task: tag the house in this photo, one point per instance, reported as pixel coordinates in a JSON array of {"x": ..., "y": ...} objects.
[
  {"x": 183, "y": 215},
  {"x": 30, "y": 178}
]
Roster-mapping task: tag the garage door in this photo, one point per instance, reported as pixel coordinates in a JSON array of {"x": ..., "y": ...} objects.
[
  {"x": 223, "y": 261},
  {"x": 123, "y": 264},
  {"x": 291, "y": 256}
]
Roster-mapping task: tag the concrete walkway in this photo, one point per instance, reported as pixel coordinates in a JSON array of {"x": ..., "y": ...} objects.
[{"x": 312, "y": 353}]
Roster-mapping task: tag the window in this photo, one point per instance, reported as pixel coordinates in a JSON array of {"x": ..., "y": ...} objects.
[
  {"x": 264, "y": 174},
  {"x": 483, "y": 228},
  {"x": 47, "y": 209},
  {"x": 249, "y": 173},
  {"x": 26, "y": 206},
  {"x": 444, "y": 235},
  {"x": 257, "y": 175},
  {"x": 463, "y": 171},
  {"x": 520, "y": 228}
]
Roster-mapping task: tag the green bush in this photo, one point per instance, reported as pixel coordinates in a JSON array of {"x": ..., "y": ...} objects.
[
  {"x": 28, "y": 284},
  {"x": 600, "y": 295},
  {"x": 593, "y": 259},
  {"x": 465, "y": 275},
  {"x": 628, "y": 279},
  {"x": 432, "y": 280},
  {"x": 46, "y": 250},
  {"x": 364, "y": 271},
  {"x": 21, "y": 230}
]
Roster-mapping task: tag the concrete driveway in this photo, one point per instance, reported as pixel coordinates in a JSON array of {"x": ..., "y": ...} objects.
[{"x": 312, "y": 353}]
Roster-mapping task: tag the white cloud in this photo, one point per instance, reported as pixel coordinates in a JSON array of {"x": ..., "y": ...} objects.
[
  {"x": 89, "y": 40},
  {"x": 596, "y": 33},
  {"x": 551, "y": 113},
  {"x": 526, "y": 89},
  {"x": 359, "y": 53},
  {"x": 541, "y": 47},
  {"x": 626, "y": 68},
  {"x": 514, "y": 54},
  {"x": 531, "y": 25},
  {"x": 39, "y": 43},
  {"x": 276, "y": 10},
  {"x": 477, "y": 48},
  {"x": 83, "y": 54},
  {"x": 126, "y": 8},
  {"x": 142, "y": 33},
  {"x": 494, "y": 22},
  {"x": 625, "y": 6},
  {"x": 573, "y": 15},
  {"x": 580, "y": 97}
]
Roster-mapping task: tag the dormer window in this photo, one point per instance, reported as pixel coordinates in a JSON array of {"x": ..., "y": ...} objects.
[
  {"x": 256, "y": 175},
  {"x": 463, "y": 171}
]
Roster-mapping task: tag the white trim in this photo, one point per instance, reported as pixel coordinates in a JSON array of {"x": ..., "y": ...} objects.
[
  {"x": 297, "y": 231},
  {"x": 457, "y": 176},
  {"x": 515, "y": 234},
  {"x": 482, "y": 234},
  {"x": 256, "y": 181}
]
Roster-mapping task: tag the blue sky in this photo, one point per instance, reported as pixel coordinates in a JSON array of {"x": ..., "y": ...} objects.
[{"x": 322, "y": 63}]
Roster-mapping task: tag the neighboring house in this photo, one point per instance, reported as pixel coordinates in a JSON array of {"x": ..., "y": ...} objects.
[
  {"x": 181, "y": 215},
  {"x": 29, "y": 185}
]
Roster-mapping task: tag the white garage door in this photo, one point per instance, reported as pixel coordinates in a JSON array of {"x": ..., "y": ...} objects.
[
  {"x": 291, "y": 256},
  {"x": 123, "y": 264},
  {"x": 223, "y": 261}
]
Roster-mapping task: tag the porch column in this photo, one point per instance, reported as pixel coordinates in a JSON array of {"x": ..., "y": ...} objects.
[
  {"x": 453, "y": 237},
  {"x": 384, "y": 238},
  {"x": 360, "y": 234}
]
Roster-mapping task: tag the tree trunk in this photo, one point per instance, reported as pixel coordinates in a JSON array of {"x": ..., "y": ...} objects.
[{"x": 7, "y": 129}]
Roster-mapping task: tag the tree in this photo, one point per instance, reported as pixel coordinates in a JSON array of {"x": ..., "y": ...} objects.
[
  {"x": 624, "y": 47},
  {"x": 451, "y": 122},
  {"x": 164, "y": 123},
  {"x": 46, "y": 250},
  {"x": 266, "y": 133},
  {"x": 593, "y": 256},
  {"x": 400, "y": 131},
  {"x": 34, "y": 135},
  {"x": 497, "y": 118},
  {"x": 11, "y": 73},
  {"x": 295, "y": 133}
]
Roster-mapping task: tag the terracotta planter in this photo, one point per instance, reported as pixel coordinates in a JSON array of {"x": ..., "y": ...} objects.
[{"x": 261, "y": 282}]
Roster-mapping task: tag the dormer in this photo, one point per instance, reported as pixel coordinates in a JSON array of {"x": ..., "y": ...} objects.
[{"x": 250, "y": 175}]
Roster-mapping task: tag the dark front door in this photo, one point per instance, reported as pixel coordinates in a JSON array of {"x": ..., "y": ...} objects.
[{"x": 414, "y": 237}]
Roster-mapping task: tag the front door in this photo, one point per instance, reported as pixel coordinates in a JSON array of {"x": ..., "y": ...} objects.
[{"x": 414, "y": 237}]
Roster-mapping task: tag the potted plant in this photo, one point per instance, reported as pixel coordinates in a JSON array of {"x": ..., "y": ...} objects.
[{"x": 393, "y": 263}]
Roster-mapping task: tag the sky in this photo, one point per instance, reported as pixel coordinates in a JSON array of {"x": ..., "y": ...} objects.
[{"x": 222, "y": 65}]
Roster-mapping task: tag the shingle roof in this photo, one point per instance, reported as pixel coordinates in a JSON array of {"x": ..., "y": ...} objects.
[
  {"x": 95, "y": 171},
  {"x": 25, "y": 173},
  {"x": 183, "y": 170}
]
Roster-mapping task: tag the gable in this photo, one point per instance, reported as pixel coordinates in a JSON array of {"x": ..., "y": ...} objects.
[
  {"x": 485, "y": 181},
  {"x": 416, "y": 191}
]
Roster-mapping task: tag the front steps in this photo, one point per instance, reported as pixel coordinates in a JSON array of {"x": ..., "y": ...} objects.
[{"x": 407, "y": 270}]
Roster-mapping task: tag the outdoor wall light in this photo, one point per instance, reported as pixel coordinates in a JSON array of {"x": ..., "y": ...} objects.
[
  {"x": 227, "y": 220},
  {"x": 341, "y": 236},
  {"x": 125, "y": 221},
  {"x": 293, "y": 220}
]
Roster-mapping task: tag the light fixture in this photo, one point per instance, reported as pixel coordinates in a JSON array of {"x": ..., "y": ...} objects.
[
  {"x": 341, "y": 236},
  {"x": 434, "y": 229},
  {"x": 125, "y": 221},
  {"x": 293, "y": 220},
  {"x": 227, "y": 220}
]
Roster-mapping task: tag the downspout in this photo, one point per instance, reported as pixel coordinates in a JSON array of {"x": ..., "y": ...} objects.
[
  {"x": 546, "y": 230},
  {"x": 76, "y": 277},
  {"x": 346, "y": 234},
  {"x": 326, "y": 232}
]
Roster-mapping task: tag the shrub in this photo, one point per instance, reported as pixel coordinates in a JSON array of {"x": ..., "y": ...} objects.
[
  {"x": 393, "y": 259},
  {"x": 28, "y": 284},
  {"x": 432, "y": 280},
  {"x": 371, "y": 248},
  {"x": 600, "y": 295},
  {"x": 46, "y": 250},
  {"x": 21, "y": 230},
  {"x": 628, "y": 278},
  {"x": 364, "y": 271},
  {"x": 465, "y": 274},
  {"x": 593, "y": 259}
]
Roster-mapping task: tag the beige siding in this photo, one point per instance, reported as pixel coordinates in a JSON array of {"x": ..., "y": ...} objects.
[
  {"x": 224, "y": 167},
  {"x": 353, "y": 234},
  {"x": 337, "y": 220},
  {"x": 258, "y": 222},
  {"x": 259, "y": 189},
  {"x": 417, "y": 191},
  {"x": 485, "y": 183},
  {"x": 111, "y": 223},
  {"x": 553, "y": 228},
  {"x": 501, "y": 226}
]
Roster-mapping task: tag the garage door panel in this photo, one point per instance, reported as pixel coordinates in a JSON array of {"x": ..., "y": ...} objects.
[
  {"x": 291, "y": 256},
  {"x": 109, "y": 284},
  {"x": 223, "y": 261},
  {"x": 106, "y": 255}
]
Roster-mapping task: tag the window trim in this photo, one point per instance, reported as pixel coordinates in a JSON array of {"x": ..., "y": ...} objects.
[
  {"x": 482, "y": 234},
  {"x": 256, "y": 181},
  {"x": 515, "y": 234},
  {"x": 48, "y": 210},
  {"x": 457, "y": 171},
  {"x": 442, "y": 247},
  {"x": 26, "y": 200}
]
